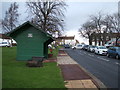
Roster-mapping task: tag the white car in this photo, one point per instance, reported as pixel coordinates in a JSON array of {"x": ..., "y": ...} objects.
[
  {"x": 91, "y": 48},
  {"x": 78, "y": 46},
  {"x": 101, "y": 50},
  {"x": 4, "y": 44}
]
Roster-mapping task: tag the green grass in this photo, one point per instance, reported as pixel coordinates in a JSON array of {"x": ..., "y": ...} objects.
[{"x": 17, "y": 75}]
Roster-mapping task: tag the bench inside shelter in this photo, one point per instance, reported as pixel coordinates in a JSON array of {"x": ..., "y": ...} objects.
[{"x": 35, "y": 62}]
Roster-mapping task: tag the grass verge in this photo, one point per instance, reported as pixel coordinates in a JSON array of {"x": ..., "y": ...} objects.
[{"x": 15, "y": 74}]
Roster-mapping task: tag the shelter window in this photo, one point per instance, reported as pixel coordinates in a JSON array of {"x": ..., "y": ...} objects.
[{"x": 30, "y": 35}]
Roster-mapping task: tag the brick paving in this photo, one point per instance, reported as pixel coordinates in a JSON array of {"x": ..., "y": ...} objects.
[
  {"x": 74, "y": 76},
  {"x": 73, "y": 72}
]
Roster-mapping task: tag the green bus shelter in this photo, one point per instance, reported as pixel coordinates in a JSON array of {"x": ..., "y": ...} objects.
[{"x": 31, "y": 41}]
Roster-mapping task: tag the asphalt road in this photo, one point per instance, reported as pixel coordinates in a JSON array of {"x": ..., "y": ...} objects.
[{"x": 107, "y": 70}]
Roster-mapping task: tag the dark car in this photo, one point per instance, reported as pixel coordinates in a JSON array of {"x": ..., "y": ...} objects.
[
  {"x": 114, "y": 52},
  {"x": 67, "y": 46},
  {"x": 85, "y": 47}
]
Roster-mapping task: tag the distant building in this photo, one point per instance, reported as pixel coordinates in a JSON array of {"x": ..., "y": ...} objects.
[
  {"x": 64, "y": 39},
  {"x": 4, "y": 38},
  {"x": 112, "y": 42},
  {"x": 103, "y": 38}
]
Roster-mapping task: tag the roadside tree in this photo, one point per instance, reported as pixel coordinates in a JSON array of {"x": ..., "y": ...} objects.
[
  {"x": 87, "y": 30},
  {"x": 9, "y": 22},
  {"x": 115, "y": 20},
  {"x": 98, "y": 26},
  {"x": 11, "y": 18},
  {"x": 48, "y": 15}
]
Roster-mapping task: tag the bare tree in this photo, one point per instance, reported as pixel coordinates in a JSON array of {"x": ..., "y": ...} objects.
[
  {"x": 115, "y": 25},
  {"x": 102, "y": 26},
  {"x": 107, "y": 23},
  {"x": 11, "y": 18},
  {"x": 9, "y": 22},
  {"x": 98, "y": 20},
  {"x": 110, "y": 22},
  {"x": 48, "y": 15},
  {"x": 87, "y": 30},
  {"x": 107, "y": 30}
]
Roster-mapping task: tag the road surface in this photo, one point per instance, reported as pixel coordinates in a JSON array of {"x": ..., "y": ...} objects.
[{"x": 105, "y": 69}]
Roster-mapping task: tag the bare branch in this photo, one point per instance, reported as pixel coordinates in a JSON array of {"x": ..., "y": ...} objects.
[
  {"x": 11, "y": 18},
  {"x": 48, "y": 15}
]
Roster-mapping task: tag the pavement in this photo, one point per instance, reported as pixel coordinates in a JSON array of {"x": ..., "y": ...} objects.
[{"x": 74, "y": 75}]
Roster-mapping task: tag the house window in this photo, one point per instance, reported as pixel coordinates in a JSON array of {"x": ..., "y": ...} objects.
[{"x": 30, "y": 35}]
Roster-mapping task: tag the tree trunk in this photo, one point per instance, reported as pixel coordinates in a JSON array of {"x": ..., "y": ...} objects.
[
  {"x": 116, "y": 42},
  {"x": 104, "y": 38},
  {"x": 99, "y": 42},
  {"x": 90, "y": 40},
  {"x": 95, "y": 39},
  {"x": 99, "y": 38},
  {"x": 90, "y": 43}
]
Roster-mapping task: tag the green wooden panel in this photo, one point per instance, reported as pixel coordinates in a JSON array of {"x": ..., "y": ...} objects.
[
  {"x": 27, "y": 47},
  {"x": 46, "y": 50}
]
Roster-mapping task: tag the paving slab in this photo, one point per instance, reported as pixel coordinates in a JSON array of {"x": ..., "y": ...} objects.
[
  {"x": 65, "y": 60},
  {"x": 83, "y": 84},
  {"x": 88, "y": 83}
]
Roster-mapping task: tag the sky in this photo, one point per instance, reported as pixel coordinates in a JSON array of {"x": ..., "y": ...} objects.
[{"x": 77, "y": 12}]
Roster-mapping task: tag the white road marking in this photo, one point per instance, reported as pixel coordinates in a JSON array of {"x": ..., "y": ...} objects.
[
  {"x": 103, "y": 59},
  {"x": 81, "y": 54},
  {"x": 85, "y": 53},
  {"x": 91, "y": 55},
  {"x": 117, "y": 63}
]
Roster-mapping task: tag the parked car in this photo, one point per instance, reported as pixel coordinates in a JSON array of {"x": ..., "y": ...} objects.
[
  {"x": 101, "y": 50},
  {"x": 85, "y": 47},
  {"x": 4, "y": 44},
  {"x": 91, "y": 48},
  {"x": 67, "y": 46},
  {"x": 49, "y": 46},
  {"x": 78, "y": 46},
  {"x": 114, "y": 52},
  {"x": 88, "y": 48}
]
